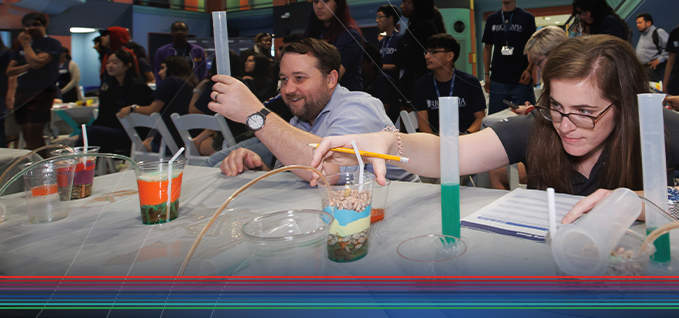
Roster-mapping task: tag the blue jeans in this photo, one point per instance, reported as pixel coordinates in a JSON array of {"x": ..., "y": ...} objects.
[
  {"x": 252, "y": 144},
  {"x": 517, "y": 93}
]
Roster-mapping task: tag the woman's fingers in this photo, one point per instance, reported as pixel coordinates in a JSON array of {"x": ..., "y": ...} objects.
[{"x": 585, "y": 205}]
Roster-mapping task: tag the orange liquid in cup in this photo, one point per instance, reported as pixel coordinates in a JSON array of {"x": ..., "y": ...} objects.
[
  {"x": 44, "y": 190},
  {"x": 154, "y": 193},
  {"x": 376, "y": 215}
]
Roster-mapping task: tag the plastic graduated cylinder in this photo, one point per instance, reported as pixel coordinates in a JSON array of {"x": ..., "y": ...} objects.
[{"x": 450, "y": 165}]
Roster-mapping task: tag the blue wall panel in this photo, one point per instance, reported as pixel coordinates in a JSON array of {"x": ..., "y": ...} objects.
[{"x": 86, "y": 57}]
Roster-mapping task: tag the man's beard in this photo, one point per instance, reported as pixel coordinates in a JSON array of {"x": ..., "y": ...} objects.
[{"x": 312, "y": 107}]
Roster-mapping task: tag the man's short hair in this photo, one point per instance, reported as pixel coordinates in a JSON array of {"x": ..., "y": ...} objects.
[
  {"x": 182, "y": 22},
  {"x": 29, "y": 18},
  {"x": 260, "y": 36},
  {"x": 646, "y": 16},
  {"x": 444, "y": 41},
  {"x": 292, "y": 38},
  {"x": 328, "y": 57},
  {"x": 390, "y": 10}
]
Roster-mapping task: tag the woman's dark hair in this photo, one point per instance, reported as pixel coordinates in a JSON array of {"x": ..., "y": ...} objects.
[
  {"x": 599, "y": 10},
  {"x": 177, "y": 66},
  {"x": 68, "y": 54},
  {"x": 127, "y": 58},
  {"x": 262, "y": 70},
  {"x": 438, "y": 21},
  {"x": 610, "y": 65},
  {"x": 342, "y": 19},
  {"x": 423, "y": 10},
  {"x": 137, "y": 49}
]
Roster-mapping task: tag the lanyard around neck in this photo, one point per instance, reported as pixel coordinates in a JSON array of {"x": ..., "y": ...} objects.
[
  {"x": 507, "y": 23},
  {"x": 386, "y": 45},
  {"x": 452, "y": 85}
]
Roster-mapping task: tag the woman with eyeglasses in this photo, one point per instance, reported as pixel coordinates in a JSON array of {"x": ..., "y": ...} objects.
[
  {"x": 332, "y": 22},
  {"x": 538, "y": 47},
  {"x": 585, "y": 137}
]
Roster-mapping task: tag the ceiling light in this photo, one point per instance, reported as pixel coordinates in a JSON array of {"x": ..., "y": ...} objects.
[
  {"x": 82, "y": 30},
  {"x": 548, "y": 18},
  {"x": 557, "y": 22}
]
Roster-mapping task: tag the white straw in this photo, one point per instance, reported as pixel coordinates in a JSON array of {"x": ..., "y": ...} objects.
[
  {"x": 552, "y": 211},
  {"x": 360, "y": 165},
  {"x": 84, "y": 129},
  {"x": 169, "y": 183}
]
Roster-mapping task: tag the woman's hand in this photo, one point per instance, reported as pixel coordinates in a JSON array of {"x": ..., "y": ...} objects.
[
  {"x": 585, "y": 205},
  {"x": 523, "y": 109},
  {"x": 380, "y": 142},
  {"x": 124, "y": 112}
]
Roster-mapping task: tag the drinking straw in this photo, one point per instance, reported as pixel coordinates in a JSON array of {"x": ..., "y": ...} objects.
[
  {"x": 450, "y": 166},
  {"x": 367, "y": 154},
  {"x": 169, "y": 183},
  {"x": 552, "y": 211},
  {"x": 653, "y": 163},
  {"x": 360, "y": 165},
  {"x": 221, "y": 42},
  {"x": 85, "y": 144}
]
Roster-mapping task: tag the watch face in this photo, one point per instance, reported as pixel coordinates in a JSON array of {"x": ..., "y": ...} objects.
[{"x": 255, "y": 121}]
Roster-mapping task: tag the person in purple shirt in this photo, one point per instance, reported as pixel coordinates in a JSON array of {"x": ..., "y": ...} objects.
[{"x": 192, "y": 53}]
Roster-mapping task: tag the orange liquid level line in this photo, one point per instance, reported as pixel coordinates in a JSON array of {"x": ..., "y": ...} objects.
[
  {"x": 44, "y": 190},
  {"x": 376, "y": 215},
  {"x": 154, "y": 193}
]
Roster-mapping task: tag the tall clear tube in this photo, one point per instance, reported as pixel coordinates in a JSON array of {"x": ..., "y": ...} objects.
[
  {"x": 652, "y": 129},
  {"x": 221, "y": 43},
  {"x": 449, "y": 133}
]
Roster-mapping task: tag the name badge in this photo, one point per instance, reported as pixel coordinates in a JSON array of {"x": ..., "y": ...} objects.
[{"x": 507, "y": 50}]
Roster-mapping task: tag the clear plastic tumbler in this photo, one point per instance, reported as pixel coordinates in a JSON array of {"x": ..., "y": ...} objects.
[{"x": 46, "y": 186}]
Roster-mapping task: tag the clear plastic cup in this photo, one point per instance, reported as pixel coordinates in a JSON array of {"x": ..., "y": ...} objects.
[
  {"x": 152, "y": 181},
  {"x": 431, "y": 255},
  {"x": 46, "y": 186},
  {"x": 350, "y": 203},
  {"x": 379, "y": 205},
  {"x": 288, "y": 242},
  {"x": 84, "y": 171},
  {"x": 584, "y": 248}
]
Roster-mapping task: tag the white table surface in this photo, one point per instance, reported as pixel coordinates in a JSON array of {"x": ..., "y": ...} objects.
[{"x": 100, "y": 238}]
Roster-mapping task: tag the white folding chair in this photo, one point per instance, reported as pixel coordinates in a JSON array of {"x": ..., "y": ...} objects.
[
  {"x": 200, "y": 121},
  {"x": 138, "y": 152},
  {"x": 409, "y": 120}
]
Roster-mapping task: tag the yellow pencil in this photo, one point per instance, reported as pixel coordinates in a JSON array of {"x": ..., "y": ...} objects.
[{"x": 367, "y": 154}]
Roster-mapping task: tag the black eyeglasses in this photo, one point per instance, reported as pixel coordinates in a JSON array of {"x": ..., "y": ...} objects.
[
  {"x": 432, "y": 52},
  {"x": 537, "y": 63},
  {"x": 579, "y": 120}
]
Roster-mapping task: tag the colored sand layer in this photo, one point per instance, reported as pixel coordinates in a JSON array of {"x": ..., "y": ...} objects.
[
  {"x": 84, "y": 173},
  {"x": 348, "y": 248},
  {"x": 153, "y": 197},
  {"x": 662, "y": 247},
  {"x": 450, "y": 210}
]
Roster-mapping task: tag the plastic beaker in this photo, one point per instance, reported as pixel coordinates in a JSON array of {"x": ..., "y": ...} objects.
[
  {"x": 84, "y": 171},
  {"x": 379, "y": 205},
  {"x": 46, "y": 186},
  {"x": 584, "y": 248},
  {"x": 350, "y": 203},
  {"x": 152, "y": 181},
  {"x": 431, "y": 255},
  {"x": 288, "y": 242}
]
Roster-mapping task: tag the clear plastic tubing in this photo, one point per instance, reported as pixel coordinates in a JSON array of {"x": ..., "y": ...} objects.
[
  {"x": 584, "y": 248},
  {"x": 654, "y": 166},
  {"x": 449, "y": 133},
  {"x": 221, "y": 43}
]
